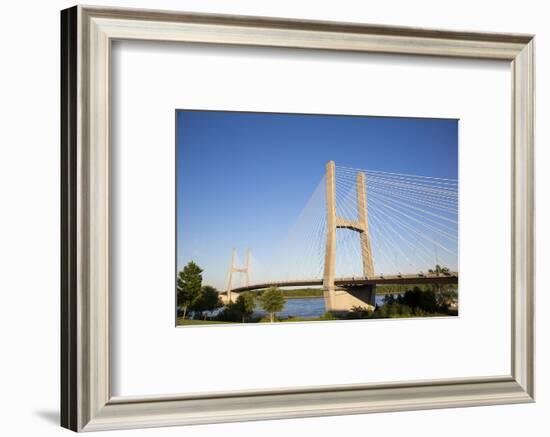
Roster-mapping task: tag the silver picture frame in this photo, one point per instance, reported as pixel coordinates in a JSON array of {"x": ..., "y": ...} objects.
[{"x": 86, "y": 401}]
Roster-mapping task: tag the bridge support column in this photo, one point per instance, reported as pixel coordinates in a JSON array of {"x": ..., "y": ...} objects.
[
  {"x": 234, "y": 269},
  {"x": 341, "y": 300},
  {"x": 330, "y": 247},
  {"x": 363, "y": 220}
]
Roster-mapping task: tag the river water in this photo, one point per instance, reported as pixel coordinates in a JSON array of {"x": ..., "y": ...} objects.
[{"x": 308, "y": 308}]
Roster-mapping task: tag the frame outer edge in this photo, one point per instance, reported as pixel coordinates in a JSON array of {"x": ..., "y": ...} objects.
[
  {"x": 523, "y": 219},
  {"x": 85, "y": 329},
  {"x": 85, "y": 399},
  {"x": 267, "y": 22},
  {"x": 69, "y": 338},
  {"x": 381, "y": 398}
]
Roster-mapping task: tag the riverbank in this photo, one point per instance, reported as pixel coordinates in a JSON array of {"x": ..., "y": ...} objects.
[
  {"x": 184, "y": 322},
  {"x": 381, "y": 290},
  {"x": 302, "y": 293},
  {"x": 308, "y": 304},
  {"x": 199, "y": 322},
  {"x": 323, "y": 318}
]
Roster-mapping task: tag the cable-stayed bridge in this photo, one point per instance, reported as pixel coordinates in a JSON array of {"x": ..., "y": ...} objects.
[{"x": 362, "y": 228}]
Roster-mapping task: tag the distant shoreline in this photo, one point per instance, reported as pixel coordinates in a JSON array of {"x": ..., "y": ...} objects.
[
  {"x": 381, "y": 290},
  {"x": 304, "y": 297}
]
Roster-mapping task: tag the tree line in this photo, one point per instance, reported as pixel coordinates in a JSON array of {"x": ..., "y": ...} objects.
[
  {"x": 200, "y": 300},
  {"x": 196, "y": 299}
]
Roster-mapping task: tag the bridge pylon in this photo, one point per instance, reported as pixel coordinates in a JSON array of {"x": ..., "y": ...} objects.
[
  {"x": 359, "y": 225},
  {"x": 234, "y": 269}
]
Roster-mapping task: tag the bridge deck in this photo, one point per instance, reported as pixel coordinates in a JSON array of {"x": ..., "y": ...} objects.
[{"x": 406, "y": 279}]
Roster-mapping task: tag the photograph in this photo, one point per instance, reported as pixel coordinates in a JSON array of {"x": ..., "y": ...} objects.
[
  {"x": 307, "y": 217},
  {"x": 280, "y": 217}
]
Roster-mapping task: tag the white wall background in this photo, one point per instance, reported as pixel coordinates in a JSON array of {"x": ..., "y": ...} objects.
[{"x": 29, "y": 216}]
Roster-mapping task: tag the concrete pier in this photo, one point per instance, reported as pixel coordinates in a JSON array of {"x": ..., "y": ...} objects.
[{"x": 341, "y": 300}]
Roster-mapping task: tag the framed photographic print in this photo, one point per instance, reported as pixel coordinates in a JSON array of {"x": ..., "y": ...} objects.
[
  {"x": 350, "y": 205},
  {"x": 360, "y": 244}
]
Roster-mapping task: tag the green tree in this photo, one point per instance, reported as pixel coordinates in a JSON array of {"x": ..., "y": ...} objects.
[
  {"x": 417, "y": 298},
  {"x": 245, "y": 305},
  {"x": 189, "y": 285},
  {"x": 207, "y": 300},
  {"x": 230, "y": 313},
  {"x": 447, "y": 297},
  {"x": 393, "y": 310},
  {"x": 272, "y": 301},
  {"x": 439, "y": 271}
]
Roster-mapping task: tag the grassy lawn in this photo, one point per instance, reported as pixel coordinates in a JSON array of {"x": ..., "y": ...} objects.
[
  {"x": 301, "y": 319},
  {"x": 186, "y": 322}
]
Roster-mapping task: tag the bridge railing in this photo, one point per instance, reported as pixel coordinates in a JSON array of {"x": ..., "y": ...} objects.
[{"x": 399, "y": 278}]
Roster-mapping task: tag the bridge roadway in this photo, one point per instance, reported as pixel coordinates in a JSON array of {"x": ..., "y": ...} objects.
[{"x": 405, "y": 279}]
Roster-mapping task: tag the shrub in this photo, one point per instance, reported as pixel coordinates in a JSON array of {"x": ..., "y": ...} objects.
[
  {"x": 424, "y": 300},
  {"x": 328, "y": 316},
  {"x": 359, "y": 312},
  {"x": 393, "y": 310},
  {"x": 230, "y": 313}
]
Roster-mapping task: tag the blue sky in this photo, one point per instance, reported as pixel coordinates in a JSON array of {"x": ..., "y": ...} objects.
[{"x": 243, "y": 178}]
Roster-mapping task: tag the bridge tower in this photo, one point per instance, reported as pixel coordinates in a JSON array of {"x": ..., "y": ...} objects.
[
  {"x": 364, "y": 295},
  {"x": 234, "y": 269}
]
